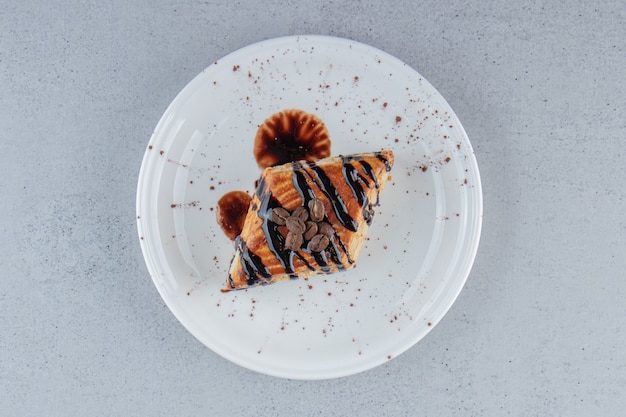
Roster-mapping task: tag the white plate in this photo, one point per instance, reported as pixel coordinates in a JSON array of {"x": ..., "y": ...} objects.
[{"x": 421, "y": 245}]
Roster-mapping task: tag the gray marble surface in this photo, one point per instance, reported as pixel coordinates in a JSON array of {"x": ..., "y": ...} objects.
[{"x": 540, "y": 327}]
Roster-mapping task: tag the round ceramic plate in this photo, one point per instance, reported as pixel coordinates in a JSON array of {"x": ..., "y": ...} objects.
[{"x": 421, "y": 244}]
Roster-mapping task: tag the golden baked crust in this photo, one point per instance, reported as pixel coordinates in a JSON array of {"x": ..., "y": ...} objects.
[{"x": 348, "y": 187}]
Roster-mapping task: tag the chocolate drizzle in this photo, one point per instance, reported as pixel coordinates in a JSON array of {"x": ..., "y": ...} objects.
[
  {"x": 329, "y": 190},
  {"x": 275, "y": 239},
  {"x": 252, "y": 264},
  {"x": 303, "y": 187},
  {"x": 367, "y": 169},
  {"x": 304, "y": 262},
  {"x": 334, "y": 252},
  {"x": 354, "y": 180},
  {"x": 382, "y": 158},
  {"x": 301, "y": 184}
]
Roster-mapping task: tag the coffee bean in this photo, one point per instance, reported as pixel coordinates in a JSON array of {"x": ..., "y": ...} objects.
[
  {"x": 293, "y": 241},
  {"x": 279, "y": 215},
  {"x": 316, "y": 210},
  {"x": 311, "y": 230},
  {"x": 318, "y": 243},
  {"x": 295, "y": 228},
  {"x": 295, "y": 225},
  {"x": 301, "y": 213},
  {"x": 283, "y": 230},
  {"x": 325, "y": 229}
]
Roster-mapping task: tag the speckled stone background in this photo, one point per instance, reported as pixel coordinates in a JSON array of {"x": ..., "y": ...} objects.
[{"x": 540, "y": 327}]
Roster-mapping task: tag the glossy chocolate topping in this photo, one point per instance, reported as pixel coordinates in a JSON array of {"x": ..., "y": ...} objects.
[
  {"x": 231, "y": 212},
  {"x": 291, "y": 135}
]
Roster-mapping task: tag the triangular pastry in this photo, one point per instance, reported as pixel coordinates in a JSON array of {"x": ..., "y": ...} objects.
[{"x": 308, "y": 218}]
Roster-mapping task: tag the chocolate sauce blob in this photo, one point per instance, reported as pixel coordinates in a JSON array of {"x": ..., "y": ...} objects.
[
  {"x": 291, "y": 135},
  {"x": 231, "y": 212}
]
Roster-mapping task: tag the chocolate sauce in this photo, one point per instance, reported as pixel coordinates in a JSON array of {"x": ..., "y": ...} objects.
[
  {"x": 355, "y": 179},
  {"x": 301, "y": 184},
  {"x": 252, "y": 263},
  {"x": 333, "y": 252},
  {"x": 231, "y": 212},
  {"x": 275, "y": 239},
  {"x": 291, "y": 135},
  {"x": 339, "y": 206},
  {"x": 367, "y": 169},
  {"x": 334, "y": 241},
  {"x": 304, "y": 262},
  {"x": 381, "y": 157},
  {"x": 322, "y": 181},
  {"x": 320, "y": 259},
  {"x": 285, "y": 146}
]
